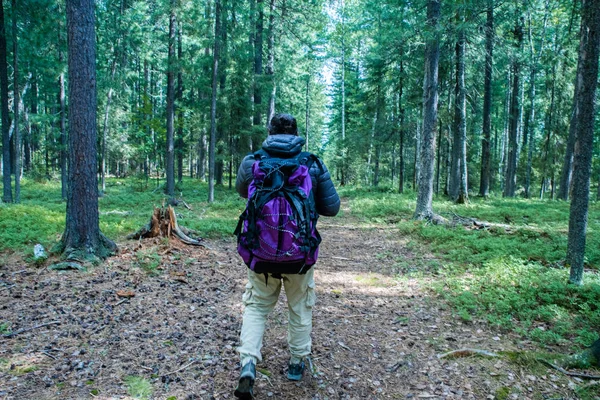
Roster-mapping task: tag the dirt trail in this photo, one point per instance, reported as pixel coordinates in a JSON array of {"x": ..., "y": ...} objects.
[{"x": 376, "y": 334}]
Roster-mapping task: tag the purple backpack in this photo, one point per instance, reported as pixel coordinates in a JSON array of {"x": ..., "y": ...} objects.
[{"x": 277, "y": 232}]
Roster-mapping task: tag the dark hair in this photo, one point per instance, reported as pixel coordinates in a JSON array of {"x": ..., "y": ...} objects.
[{"x": 283, "y": 124}]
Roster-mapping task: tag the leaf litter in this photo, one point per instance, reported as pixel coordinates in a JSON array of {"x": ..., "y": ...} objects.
[{"x": 175, "y": 325}]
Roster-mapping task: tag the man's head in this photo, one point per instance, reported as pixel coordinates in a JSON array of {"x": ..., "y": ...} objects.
[{"x": 283, "y": 124}]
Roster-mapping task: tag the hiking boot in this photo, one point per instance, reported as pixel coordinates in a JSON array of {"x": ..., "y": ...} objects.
[
  {"x": 245, "y": 388},
  {"x": 295, "y": 369}
]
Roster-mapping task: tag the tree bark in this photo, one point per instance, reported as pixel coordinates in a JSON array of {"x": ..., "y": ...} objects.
[
  {"x": 566, "y": 175},
  {"x": 6, "y": 178},
  {"x": 401, "y": 130},
  {"x": 270, "y": 70},
  {"x": 589, "y": 50},
  {"x": 510, "y": 181},
  {"x": 424, "y": 209},
  {"x": 16, "y": 102},
  {"x": 113, "y": 69},
  {"x": 82, "y": 239},
  {"x": 484, "y": 183},
  {"x": 213, "y": 106},
  {"x": 64, "y": 155},
  {"x": 179, "y": 107},
  {"x": 170, "y": 153},
  {"x": 258, "y": 67},
  {"x": 458, "y": 181}
]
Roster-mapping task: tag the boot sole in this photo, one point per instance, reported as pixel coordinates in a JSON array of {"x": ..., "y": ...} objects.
[{"x": 244, "y": 391}]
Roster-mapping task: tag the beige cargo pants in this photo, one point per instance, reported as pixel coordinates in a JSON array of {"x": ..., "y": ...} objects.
[{"x": 260, "y": 299}]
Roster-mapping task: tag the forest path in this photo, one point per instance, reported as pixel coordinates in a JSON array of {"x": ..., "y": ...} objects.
[{"x": 376, "y": 332}]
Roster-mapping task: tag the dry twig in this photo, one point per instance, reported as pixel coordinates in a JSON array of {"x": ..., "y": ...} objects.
[
  {"x": 13, "y": 334},
  {"x": 467, "y": 353},
  {"x": 181, "y": 369}
]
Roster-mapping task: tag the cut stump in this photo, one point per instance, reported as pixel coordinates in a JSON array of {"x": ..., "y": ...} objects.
[{"x": 164, "y": 224}]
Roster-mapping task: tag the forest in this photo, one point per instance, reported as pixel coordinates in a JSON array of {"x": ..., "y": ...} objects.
[{"x": 462, "y": 137}]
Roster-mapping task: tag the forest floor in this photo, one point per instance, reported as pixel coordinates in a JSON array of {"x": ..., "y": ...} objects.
[{"x": 376, "y": 335}]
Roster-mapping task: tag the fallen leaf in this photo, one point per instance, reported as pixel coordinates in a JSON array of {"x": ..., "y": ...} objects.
[{"x": 125, "y": 293}]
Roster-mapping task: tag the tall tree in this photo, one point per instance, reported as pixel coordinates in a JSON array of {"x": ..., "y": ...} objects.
[
  {"x": 510, "y": 181},
  {"x": 424, "y": 209},
  {"x": 6, "y": 164},
  {"x": 270, "y": 70},
  {"x": 170, "y": 153},
  {"x": 17, "y": 133},
  {"x": 458, "y": 180},
  {"x": 528, "y": 134},
  {"x": 62, "y": 125},
  {"x": 589, "y": 51},
  {"x": 258, "y": 67},
  {"x": 484, "y": 184},
  {"x": 82, "y": 239},
  {"x": 213, "y": 105}
]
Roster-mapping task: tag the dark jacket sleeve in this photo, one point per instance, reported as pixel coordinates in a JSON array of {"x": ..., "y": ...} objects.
[
  {"x": 244, "y": 176},
  {"x": 326, "y": 197}
]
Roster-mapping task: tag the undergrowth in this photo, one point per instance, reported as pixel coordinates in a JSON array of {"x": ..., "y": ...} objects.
[
  {"x": 512, "y": 277},
  {"x": 125, "y": 206}
]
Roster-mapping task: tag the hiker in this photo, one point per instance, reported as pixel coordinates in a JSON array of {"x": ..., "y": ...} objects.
[{"x": 282, "y": 262}]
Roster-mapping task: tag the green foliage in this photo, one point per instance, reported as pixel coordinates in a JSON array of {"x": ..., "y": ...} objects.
[
  {"x": 124, "y": 208},
  {"x": 529, "y": 298},
  {"x": 512, "y": 277},
  {"x": 5, "y": 328},
  {"x": 138, "y": 387}
]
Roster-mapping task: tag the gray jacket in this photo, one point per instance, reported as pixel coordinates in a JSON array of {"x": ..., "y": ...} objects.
[{"x": 285, "y": 146}]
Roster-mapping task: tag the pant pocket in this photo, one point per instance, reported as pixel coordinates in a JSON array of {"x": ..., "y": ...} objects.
[
  {"x": 311, "y": 295},
  {"x": 247, "y": 296}
]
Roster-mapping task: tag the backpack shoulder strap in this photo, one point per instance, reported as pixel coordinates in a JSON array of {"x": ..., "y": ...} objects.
[
  {"x": 260, "y": 154},
  {"x": 309, "y": 159}
]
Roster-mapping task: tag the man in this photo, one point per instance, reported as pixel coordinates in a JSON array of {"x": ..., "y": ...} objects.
[{"x": 262, "y": 291}]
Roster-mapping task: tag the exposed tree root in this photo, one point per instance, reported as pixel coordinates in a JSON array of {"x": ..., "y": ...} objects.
[
  {"x": 164, "y": 224},
  {"x": 433, "y": 218},
  {"x": 564, "y": 371},
  {"x": 467, "y": 353}
]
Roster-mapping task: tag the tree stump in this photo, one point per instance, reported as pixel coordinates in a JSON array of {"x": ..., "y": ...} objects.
[{"x": 164, "y": 224}]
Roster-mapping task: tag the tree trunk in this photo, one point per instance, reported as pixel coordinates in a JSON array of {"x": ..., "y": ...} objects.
[
  {"x": 589, "y": 50},
  {"x": 270, "y": 72},
  {"x": 16, "y": 103},
  {"x": 307, "y": 111},
  {"x": 179, "y": 107},
  {"x": 170, "y": 153},
  {"x": 6, "y": 178},
  {"x": 458, "y": 181},
  {"x": 549, "y": 128},
  {"x": 529, "y": 133},
  {"x": 343, "y": 90},
  {"x": 484, "y": 183},
  {"x": 64, "y": 155},
  {"x": 401, "y": 130},
  {"x": 258, "y": 67},
  {"x": 424, "y": 208},
  {"x": 567, "y": 167},
  {"x": 113, "y": 69},
  {"x": 510, "y": 181},
  {"x": 213, "y": 106},
  {"x": 438, "y": 159},
  {"x": 82, "y": 239}
]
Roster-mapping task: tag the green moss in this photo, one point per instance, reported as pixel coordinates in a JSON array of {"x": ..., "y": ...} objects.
[{"x": 138, "y": 387}]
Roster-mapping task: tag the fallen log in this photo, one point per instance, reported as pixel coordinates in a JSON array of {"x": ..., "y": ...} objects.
[{"x": 163, "y": 223}]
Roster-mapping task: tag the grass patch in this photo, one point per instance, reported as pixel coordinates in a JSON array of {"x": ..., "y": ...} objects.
[
  {"x": 40, "y": 217},
  {"x": 5, "y": 328},
  {"x": 138, "y": 387},
  {"x": 529, "y": 298},
  {"x": 373, "y": 280},
  {"x": 513, "y": 279}
]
